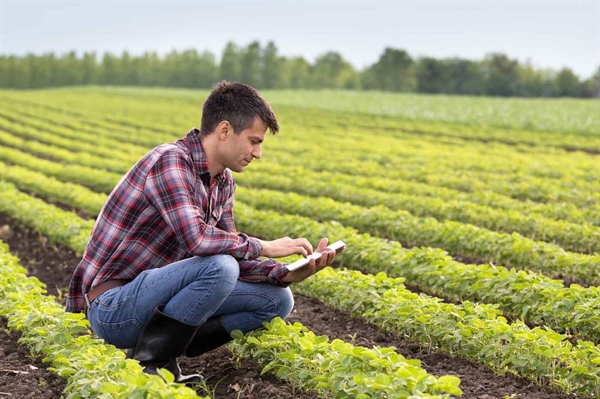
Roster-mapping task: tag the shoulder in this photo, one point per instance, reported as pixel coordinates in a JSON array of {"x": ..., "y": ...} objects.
[{"x": 169, "y": 155}]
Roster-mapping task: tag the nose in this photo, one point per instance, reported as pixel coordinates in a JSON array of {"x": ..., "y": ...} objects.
[{"x": 256, "y": 153}]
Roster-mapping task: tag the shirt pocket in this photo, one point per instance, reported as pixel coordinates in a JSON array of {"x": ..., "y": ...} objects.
[{"x": 215, "y": 216}]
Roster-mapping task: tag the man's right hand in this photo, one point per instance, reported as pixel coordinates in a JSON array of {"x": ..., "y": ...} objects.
[{"x": 286, "y": 246}]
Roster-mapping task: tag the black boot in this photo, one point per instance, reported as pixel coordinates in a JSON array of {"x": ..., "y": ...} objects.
[
  {"x": 161, "y": 340},
  {"x": 209, "y": 336}
]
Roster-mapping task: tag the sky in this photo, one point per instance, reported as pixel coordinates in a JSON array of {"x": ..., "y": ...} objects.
[{"x": 548, "y": 34}]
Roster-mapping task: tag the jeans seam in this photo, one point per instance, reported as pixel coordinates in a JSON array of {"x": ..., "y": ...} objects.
[
  {"x": 192, "y": 309},
  {"x": 261, "y": 294}
]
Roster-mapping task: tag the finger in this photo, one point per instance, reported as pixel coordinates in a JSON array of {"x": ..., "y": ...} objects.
[
  {"x": 324, "y": 256},
  {"x": 330, "y": 257},
  {"x": 323, "y": 263},
  {"x": 305, "y": 244},
  {"x": 322, "y": 245},
  {"x": 312, "y": 268},
  {"x": 302, "y": 251},
  {"x": 308, "y": 246}
]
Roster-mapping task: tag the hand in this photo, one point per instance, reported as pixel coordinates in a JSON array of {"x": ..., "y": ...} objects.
[
  {"x": 327, "y": 257},
  {"x": 285, "y": 247}
]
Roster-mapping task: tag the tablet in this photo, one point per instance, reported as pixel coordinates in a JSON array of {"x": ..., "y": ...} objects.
[{"x": 338, "y": 246}]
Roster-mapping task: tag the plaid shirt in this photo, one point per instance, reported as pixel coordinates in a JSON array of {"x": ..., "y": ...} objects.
[{"x": 167, "y": 208}]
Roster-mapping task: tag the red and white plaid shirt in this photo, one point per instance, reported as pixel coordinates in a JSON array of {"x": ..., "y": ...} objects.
[{"x": 167, "y": 208}]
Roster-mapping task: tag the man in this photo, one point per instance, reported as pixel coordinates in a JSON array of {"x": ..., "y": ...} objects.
[{"x": 165, "y": 272}]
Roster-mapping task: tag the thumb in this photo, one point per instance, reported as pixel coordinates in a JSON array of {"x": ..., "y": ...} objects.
[{"x": 322, "y": 245}]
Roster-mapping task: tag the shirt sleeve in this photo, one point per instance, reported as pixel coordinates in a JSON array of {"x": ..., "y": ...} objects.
[
  {"x": 170, "y": 189},
  {"x": 226, "y": 222},
  {"x": 272, "y": 270}
]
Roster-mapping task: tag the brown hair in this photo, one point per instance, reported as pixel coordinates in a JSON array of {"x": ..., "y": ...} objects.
[{"x": 237, "y": 103}]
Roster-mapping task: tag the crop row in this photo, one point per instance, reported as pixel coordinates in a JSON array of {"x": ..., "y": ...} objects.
[
  {"x": 322, "y": 158},
  {"x": 71, "y": 140},
  {"x": 464, "y": 240},
  {"x": 338, "y": 368},
  {"x": 92, "y": 369},
  {"x": 456, "y": 329},
  {"x": 583, "y": 238},
  {"x": 107, "y": 103},
  {"x": 472, "y": 330},
  {"x": 528, "y": 296},
  {"x": 112, "y": 139},
  {"x": 520, "y": 294},
  {"x": 65, "y": 125},
  {"x": 409, "y": 156},
  {"x": 366, "y": 368},
  {"x": 575, "y": 189},
  {"x": 510, "y": 250},
  {"x": 481, "y": 158},
  {"x": 563, "y": 233}
]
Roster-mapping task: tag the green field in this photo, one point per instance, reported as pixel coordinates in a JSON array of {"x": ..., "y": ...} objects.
[{"x": 491, "y": 204}]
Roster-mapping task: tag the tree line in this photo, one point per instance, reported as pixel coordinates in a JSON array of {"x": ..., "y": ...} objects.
[{"x": 264, "y": 68}]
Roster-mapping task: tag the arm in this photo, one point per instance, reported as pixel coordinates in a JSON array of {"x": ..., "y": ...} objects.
[
  {"x": 261, "y": 269},
  {"x": 170, "y": 189},
  {"x": 269, "y": 270}
]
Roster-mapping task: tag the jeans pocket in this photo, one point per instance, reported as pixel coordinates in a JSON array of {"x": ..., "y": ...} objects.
[
  {"x": 122, "y": 334},
  {"x": 108, "y": 301}
]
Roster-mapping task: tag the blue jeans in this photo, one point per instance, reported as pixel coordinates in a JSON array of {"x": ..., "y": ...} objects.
[{"x": 192, "y": 290}]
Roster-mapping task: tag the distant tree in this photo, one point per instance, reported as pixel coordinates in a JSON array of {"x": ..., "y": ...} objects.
[
  {"x": 208, "y": 70},
  {"x": 90, "y": 69},
  {"x": 295, "y": 73},
  {"x": 331, "y": 71},
  {"x": 14, "y": 72},
  {"x": 41, "y": 70},
  {"x": 591, "y": 87},
  {"x": 110, "y": 69},
  {"x": 264, "y": 68},
  {"x": 465, "y": 77},
  {"x": 567, "y": 83},
  {"x": 128, "y": 74},
  {"x": 251, "y": 65},
  {"x": 8, "y": 71},
  {"x": 530, "y": 82},
  {"x": 271, "y": 70},
  {"x": 392, "y": 72},
  {"x": 432, "y": 76},
  {"x": 231, "y": 63},
  {"x": 190, "y": 69},
  {"x": 501, "y": 74},
  {"x": 151, "y": 70}
]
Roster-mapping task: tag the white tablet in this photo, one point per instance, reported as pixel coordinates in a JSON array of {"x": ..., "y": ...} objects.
[{"x": 337, "y": 246}]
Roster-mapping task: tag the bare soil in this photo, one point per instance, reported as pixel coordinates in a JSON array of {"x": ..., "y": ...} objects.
[{"x": 24, "y": 377}]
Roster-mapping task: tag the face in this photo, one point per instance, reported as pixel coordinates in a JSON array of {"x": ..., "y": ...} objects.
[{"x": 240, "y": 149}]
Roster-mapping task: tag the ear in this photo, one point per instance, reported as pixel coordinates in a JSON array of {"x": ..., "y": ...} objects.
[{"x": 224, "y": 130}]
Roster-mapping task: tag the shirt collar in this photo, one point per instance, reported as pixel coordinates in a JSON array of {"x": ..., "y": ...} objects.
[{"x": 199, "y": 156}]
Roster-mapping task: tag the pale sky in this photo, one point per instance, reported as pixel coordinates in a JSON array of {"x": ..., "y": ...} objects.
[{"x": 550, "y": 34}]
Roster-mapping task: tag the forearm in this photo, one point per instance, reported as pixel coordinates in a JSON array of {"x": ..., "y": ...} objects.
[{"x": 207, "y": 240}]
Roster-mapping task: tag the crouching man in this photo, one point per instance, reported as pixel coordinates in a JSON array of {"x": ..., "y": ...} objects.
[{"x": 165, "y": 272}]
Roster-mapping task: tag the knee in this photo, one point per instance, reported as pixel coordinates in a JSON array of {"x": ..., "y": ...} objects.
[
  {"x": 285, "y": 303},
  {"x": 227, "y": 267}
]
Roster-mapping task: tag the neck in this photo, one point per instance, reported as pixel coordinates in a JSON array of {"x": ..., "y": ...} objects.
[{"x": 210, "y": 144}]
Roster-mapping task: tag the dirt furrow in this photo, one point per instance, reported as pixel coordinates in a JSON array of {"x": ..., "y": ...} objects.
[{"x": 54, "y": 265}]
